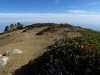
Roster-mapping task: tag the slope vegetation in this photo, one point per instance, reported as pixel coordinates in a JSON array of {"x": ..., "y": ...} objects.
[{"x": 70, "y": 56}]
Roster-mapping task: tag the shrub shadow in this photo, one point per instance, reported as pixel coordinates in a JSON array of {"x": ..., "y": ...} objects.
[{"x": 21, "y": 71}]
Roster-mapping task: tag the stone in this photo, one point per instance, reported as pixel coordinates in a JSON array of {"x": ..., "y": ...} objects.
[
  {"x": 0, "y": 55},
  {"x": 7, "y": 28},
  {"x": 12, "y": 27},
  {"x": 16, "y": 25},
  {"x": 3, "y": 60},
  {"x": 13, "y": 52}
]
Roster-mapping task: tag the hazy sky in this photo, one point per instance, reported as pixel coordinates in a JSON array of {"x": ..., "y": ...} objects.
[{"x": 85, "y": 13}]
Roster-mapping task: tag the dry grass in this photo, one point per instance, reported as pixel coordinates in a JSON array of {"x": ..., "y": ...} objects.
[{"x": 32, "y": 45}]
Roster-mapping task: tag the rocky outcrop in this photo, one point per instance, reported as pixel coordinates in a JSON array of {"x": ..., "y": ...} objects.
[{"x": 14, "y": 27}]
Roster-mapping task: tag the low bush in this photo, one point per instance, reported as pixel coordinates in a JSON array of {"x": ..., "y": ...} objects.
[
  {"x": 44, "y": 30},
  {"x": 67, "y": 58}
]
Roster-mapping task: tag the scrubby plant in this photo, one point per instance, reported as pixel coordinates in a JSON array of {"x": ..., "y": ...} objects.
[{"x": 44, "y": 30}]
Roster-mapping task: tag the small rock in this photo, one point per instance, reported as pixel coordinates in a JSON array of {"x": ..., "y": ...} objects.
[
  {"x": 13, "y": 52},
  {"x": 3, "y": 60}
]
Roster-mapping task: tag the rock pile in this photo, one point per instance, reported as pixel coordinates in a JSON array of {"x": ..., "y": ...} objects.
[
  {"x": 4, "y": 58},
  {"x": 14, "y": 27}
]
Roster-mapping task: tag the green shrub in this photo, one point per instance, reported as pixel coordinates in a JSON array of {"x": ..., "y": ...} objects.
[
  {"x": 66, "y": 59},
  {"x": 44, "y": 30}
]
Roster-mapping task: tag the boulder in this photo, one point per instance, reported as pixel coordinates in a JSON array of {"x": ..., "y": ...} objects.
[
  {"x": 12, "y": 27},
  {"x": 3, "y": 60},
  {"x": 7, "y": 28},
  {"x": 13, "y": 52},
  {"x": 16, "y": 25}
]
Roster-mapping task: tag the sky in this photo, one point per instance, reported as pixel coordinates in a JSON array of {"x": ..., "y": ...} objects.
[{"x": 84, "y": 13}]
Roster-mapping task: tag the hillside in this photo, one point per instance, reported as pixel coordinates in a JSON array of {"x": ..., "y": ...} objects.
[{"x": 40, "y": 44}]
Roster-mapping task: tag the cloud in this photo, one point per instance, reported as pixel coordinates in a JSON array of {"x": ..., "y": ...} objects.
[
  {"x": 50, "y": 17},
  {"x": 94, "y": 3},
  {"x": 57, "y": 1},
  {"x": 80, "y": 12},
  {"x": 77, "y": 11},
  {"x": 84, "y": 20}
]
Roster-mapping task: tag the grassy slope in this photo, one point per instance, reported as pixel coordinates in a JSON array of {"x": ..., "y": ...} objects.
[{"x": 67, "y": 58}]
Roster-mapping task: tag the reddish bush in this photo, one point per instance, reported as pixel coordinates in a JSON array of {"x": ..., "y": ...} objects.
[{"x": 85, "y": 47}]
